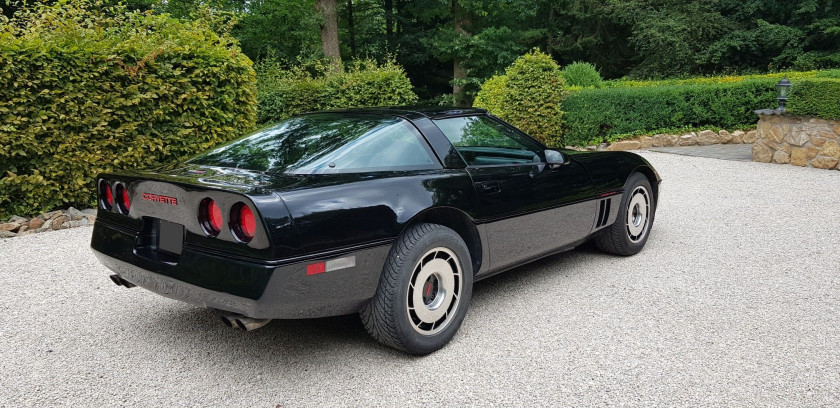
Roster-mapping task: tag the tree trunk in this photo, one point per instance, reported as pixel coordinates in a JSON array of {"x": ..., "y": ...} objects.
[
  {"x": 329, "y": 32},
  {"x": 549, "y": 46},
  {"x": 389, "y": 24},
  {"x": 352, "y": 28},
  {"x": 459, "y": 73}
]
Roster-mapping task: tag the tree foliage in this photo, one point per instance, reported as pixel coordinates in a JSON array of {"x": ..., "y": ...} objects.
[{"x": 454, "y": 45}]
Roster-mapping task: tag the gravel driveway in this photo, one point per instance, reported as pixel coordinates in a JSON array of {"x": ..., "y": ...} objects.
[{"x": 735, "y": 301}]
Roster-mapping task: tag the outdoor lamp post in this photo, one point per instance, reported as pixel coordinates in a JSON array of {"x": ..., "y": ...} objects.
[{"x": 784, "y": 88}]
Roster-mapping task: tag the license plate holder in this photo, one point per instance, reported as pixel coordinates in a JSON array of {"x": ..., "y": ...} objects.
[{"x": 170, "y": 237}]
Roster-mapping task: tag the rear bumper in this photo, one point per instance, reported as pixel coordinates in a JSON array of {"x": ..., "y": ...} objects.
[{"x": 256, "y": 289}]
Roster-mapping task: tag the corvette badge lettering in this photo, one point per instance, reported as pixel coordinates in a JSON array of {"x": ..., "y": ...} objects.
[{"x": 160, "y": 198}]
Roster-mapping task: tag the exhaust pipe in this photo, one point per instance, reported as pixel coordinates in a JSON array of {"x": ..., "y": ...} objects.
[
  {"x": 119, "y": 281},
  {"x": 243, "y": 322}
]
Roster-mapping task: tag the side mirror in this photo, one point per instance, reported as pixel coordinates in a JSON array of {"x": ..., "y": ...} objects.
[{"x": 556, "y": 159}]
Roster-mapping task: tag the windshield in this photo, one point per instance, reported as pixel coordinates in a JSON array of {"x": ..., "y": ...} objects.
[{"x": 326, "y": 143}]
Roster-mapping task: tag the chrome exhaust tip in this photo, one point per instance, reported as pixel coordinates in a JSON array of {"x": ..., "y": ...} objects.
[
  {"x": 249, "y": 323},
  {"x": 244, "y": 323},
  {"x": 228, "y": 321},
  {"x": 119, "y": 281}
]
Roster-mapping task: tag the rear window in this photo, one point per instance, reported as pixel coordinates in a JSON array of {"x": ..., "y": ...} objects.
[{"x": 327, "y": 143}]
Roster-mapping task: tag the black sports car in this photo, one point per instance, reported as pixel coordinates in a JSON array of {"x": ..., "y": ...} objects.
[{"x": 391, "y": 213}]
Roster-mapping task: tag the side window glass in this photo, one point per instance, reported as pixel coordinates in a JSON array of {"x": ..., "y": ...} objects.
[{"x": 482, "y": 141}]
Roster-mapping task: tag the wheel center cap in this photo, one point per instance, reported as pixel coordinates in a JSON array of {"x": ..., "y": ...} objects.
[{"x": 430, "y": 290}]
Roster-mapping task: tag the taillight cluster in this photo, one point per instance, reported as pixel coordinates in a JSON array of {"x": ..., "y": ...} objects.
[
  {"x": 114, "y": 195},
  {"x": 242, "y": 223}
]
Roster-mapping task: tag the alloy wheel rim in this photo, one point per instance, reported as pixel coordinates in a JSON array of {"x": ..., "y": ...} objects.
[
  {"x": 638, "y": 211},
  {"x": 434, "y": 291}
]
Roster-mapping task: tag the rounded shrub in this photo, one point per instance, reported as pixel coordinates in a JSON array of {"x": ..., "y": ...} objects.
[
  {"x": 290, "y": 91},
  {"x": 529, "y": 96},
  {"x": 582, "y": 74},
  {"x": 492, "y": 95},
  {"x": 86, "y": 89}
]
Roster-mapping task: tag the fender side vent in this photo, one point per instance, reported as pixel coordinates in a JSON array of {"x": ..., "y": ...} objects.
[{"x": 603, "y": 213}]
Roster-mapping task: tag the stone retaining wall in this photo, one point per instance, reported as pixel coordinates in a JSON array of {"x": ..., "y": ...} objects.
[
  {"x": 49, "y": 221},
  {"x": 702, "y": 138},
  {"x": 798, "y": 140}
]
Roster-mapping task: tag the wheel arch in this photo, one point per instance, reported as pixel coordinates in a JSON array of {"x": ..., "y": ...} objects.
[
  {"x": 459, "y": 222},
  {"x": 652, "y": 177}
]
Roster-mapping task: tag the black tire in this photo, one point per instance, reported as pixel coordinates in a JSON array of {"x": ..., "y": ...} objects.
[
  {"x": 624, "y": 237},
  {"x": 393, "y": 316}
]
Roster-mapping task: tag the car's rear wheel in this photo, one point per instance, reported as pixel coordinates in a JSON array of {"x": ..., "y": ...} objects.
[
  {"x": 424, "y": 291},
  {"x": 629, "y": 233}
]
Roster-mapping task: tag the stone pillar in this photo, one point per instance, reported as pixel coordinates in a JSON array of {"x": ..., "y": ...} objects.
[{"x": 797, "y": 140}]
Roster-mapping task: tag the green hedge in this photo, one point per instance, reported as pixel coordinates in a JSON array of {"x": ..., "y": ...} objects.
[
  {"x": 285, "y": 92},
  {"x": 86, "y": 89},
  {"x": 609, "y": 114},
  {"x": 529, "y": 95},
  {"x": 815, "y": 97},
  {"x": 714, "y": 80}
]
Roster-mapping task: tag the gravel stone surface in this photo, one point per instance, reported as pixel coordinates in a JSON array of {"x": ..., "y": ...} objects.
[{"x": 735, "y": 301}]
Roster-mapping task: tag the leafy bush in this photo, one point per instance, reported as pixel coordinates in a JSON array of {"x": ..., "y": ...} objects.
[
  {"x": 492, "y": 95},
  {"x": 581, "y": 74},
  {"x": 529, "y": 96},
  {"x": 815, "y": 97},
  {"x": 86, "y": 89},
  {"x": 606, "y": 114},
  {"x": 285, "y": 92}
]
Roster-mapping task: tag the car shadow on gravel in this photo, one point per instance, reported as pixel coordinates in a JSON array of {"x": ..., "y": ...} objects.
[{"x": 284, "y": 342}]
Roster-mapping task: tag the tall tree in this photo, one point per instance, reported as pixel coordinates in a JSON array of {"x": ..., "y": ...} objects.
[
  {"x": 468, "y": 40},
  {"x": 389, "y": 23},
  {"x": 462, "y": 22},
  {"x": 329, "y": 31},
  {"x": 259, "y": 34},
  {"x": 351, "y": 27}
]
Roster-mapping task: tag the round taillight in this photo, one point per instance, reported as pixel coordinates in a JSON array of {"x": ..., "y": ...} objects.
[
  {"x": 123, "y": 202},
  {"x": 210, "y": 217},
  {"x": 243, "y": 224},
  {"x": 106, "y": 197}
]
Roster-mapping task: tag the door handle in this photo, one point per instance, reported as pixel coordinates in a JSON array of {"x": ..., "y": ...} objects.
[{"x": 490, "y": 187}]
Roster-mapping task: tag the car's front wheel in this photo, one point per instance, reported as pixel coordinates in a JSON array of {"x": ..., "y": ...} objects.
[
  {"x": 424, "y": 291},
  {"x": 629, "y": 233}
]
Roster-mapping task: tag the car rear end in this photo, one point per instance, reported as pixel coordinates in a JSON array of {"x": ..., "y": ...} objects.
[
  {"x": 202, "y": 245},
  {"x": 217, "y": 244}
]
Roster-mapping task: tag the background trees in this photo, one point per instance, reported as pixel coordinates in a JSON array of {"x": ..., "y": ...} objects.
[{"x": 450, "y": 46}]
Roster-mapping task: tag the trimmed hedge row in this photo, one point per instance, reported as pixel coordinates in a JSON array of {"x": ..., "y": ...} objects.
[
  {"x": 712, "y": 80},
  {"x": 287, "y": 92},
  {"x": 608, "y": 114},
  {"x": 815, "y": 97},
  {"x": 85, "y": 90}
]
